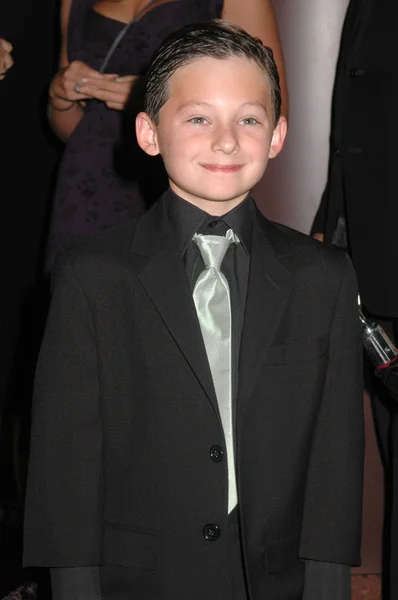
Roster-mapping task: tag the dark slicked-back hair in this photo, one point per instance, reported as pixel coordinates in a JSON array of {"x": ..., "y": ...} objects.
[{"x": 215, "y": 39}]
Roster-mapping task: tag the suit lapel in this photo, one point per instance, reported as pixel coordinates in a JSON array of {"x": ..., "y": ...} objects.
[
  {"x": 267, "y": 296},
  {"x": 164, "y": 280}
]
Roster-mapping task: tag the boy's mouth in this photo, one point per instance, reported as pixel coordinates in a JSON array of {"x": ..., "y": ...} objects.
[{"x": 214, "y": 168}]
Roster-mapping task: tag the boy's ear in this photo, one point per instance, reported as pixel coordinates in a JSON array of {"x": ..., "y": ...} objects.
[
  {"x": 278, "y": 137},
  {"x": 146, "y": 134}
]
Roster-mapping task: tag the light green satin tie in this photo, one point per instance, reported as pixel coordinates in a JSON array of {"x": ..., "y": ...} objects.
[{"x": 213, "y": 306}]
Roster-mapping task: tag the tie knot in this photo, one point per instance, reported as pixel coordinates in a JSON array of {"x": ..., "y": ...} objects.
[{"x": 214, "y": 247}]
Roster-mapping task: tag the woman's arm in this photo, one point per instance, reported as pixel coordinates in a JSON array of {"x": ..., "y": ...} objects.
[
  {"x": 258, "y": 18},
  {"x": 64, "y": 110},
  {"x": 64, "y": 113}
]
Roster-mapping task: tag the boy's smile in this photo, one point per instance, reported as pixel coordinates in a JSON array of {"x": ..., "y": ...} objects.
[{"x": 215, "y": 132}]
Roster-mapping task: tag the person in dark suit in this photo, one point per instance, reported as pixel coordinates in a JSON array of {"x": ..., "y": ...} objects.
[
  {"x": 197, "y": 421},
  {"x": 359, "y": 211}
]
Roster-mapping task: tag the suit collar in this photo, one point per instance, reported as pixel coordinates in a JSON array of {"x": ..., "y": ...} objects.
[
  {"x": 164, "y": 278},
  {"x": 153, "y": 224}
]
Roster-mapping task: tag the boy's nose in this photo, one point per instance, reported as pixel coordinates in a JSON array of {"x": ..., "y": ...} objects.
[{"x": 225, "y": 140}]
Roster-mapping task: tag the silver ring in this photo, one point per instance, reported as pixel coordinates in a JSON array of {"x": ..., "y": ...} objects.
[{"x": 77, "y": 88}]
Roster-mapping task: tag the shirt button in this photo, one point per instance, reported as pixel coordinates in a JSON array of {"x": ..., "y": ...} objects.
[
  {"x": 211, "y": 532},
  {"x": 213, "y": 224},
  {"x": 216, "y": 454}
]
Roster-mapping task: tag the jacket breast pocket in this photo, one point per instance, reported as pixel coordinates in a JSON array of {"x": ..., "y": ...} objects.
[
  {"x": 301, "y": 351},
  {"x": 125, "y": 547},
  {"x": 281, "y": 552}
]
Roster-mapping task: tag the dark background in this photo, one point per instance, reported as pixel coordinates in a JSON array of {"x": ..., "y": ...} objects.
[{"x": 28, "y": 159}]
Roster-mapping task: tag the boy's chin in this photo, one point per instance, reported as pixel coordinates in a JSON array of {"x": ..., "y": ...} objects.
[
  {"x": 216, "y": 198},
  {"x": 214, "y": 193},
  {"x": 223, "y": 197},
  {"x": 221, "y": 193}
]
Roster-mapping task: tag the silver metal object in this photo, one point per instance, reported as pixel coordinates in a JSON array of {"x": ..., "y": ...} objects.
[
  {"x": 77, "y": 88},
  {"x": 377, "y": 344}
]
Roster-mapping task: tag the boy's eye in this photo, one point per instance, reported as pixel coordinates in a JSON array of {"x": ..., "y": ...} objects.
[
  {"x": 249, "y": 121},
  {"x": 198, "y": 120}
]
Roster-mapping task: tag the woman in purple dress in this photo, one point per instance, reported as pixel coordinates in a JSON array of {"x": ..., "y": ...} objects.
[{"x": 107, "y": 45}]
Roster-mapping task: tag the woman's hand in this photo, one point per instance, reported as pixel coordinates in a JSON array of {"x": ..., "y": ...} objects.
[
  {"x": 66, "y": 86},
  {"x": 78, "y": 82},
  {"x": 112, "y": 90},
  {"x": 6, "y": 60}
]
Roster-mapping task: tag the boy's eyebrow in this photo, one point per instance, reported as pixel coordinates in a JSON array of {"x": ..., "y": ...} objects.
[
  {"x": 256, "y": 104},
  {"x": 194, "y": 104}
]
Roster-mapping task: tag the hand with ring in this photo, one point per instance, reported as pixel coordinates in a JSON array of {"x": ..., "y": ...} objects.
[
  {"x": 66, "y": 86},
  {"x": 111, "y": 90}
]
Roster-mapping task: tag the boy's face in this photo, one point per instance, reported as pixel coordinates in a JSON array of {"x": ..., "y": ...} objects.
[{"x": 215, "y": 132}]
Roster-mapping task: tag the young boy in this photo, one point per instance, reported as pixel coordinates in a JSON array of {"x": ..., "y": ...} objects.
[{"x": 197, "y": 429}]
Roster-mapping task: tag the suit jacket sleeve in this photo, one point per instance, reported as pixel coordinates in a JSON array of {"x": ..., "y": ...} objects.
[
  {"x": 326, "y": 581},
  {"x": 332, "y": 512},
  {"x": 75, "y": 583},
  {"x": 64, "y": 490}
]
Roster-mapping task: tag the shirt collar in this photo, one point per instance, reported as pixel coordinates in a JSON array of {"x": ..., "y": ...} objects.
[{"x": 186, "y": 219}]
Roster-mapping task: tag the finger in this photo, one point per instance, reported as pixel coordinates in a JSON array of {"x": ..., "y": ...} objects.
[
  {"x": 105, "y": 84},
  {"x": 126, "y": 79},
  {"x": 8, "y": 61},
  {"x": 68, "y": 92},
  {"x": 78, "y": 70},
  {"x": 115, "y": 105},
  {"x": 6, "y": 45},
  {"x": 64, "y": 87},
  {"x": 104, "y": 95}
]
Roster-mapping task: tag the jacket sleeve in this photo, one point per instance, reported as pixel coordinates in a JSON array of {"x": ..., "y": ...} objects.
[
  {"x": 76, "y": 583},
  {"x": 64, "y": 488},
  {"x": 332, "y": 512},
  {"x": 326, "y": 581}
]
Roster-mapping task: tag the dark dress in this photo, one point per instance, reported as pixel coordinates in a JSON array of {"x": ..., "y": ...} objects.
[{"x": 104, "y": 179}]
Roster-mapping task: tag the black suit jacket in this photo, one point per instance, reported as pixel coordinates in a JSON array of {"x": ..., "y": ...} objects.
[
  {"x": 125, "y": 417},
  {"x": 364, "y": 151}
]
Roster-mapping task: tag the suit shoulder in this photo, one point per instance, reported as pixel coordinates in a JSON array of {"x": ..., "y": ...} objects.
[
  {"x": 316, "y": 262},
  {"x": 307, "y": 249},
  {"x": 110, "y": 245}
]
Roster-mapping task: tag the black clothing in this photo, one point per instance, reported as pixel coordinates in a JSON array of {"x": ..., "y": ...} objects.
[
  {"x": 123, "y": 472},
  {"x": 362, "y": 191},
  {"x": 362, "y": 179}
]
